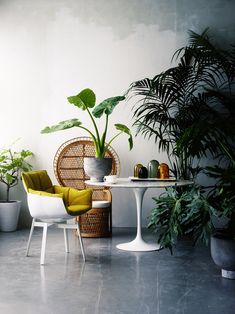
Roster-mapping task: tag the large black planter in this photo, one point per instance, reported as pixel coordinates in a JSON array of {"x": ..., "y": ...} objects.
[{"x": 223, "y": 254}]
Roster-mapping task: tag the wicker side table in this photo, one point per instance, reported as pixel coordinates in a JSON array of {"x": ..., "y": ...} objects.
[{"x": 69, "y": 171}]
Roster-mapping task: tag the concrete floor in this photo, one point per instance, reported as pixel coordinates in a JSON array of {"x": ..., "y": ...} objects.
[{"x": 111, "y": 281}]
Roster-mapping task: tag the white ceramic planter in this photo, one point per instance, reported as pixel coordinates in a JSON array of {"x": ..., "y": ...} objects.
[
  {"x": 97, "y": 168},
  {"x": 9, "y": 215}
]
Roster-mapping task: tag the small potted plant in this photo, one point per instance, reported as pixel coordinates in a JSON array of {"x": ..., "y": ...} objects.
[
  {"x": 99, "y": 166},
  {"x": 11, "y": 165}
]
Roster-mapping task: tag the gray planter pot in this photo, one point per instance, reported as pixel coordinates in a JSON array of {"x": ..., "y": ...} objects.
[
  {"x": 9, "y": 215},
  {"x": 223, "y": 254},
  {"x": 97, "y": 168}
]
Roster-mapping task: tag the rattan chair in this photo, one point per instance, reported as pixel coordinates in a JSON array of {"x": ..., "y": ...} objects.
[{"x": 69, "y": 171}]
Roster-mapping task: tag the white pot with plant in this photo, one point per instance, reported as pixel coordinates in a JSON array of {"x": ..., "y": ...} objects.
[
  {"x": 99, "y": 166},
  {"x": 11, "y": 165}
]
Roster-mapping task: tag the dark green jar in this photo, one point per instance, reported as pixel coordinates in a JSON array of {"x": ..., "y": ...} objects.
[{"x": 153, "y": 169}]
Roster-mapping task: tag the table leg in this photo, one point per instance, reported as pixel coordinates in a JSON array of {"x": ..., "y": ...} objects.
[{"x": 138, "y": 244}]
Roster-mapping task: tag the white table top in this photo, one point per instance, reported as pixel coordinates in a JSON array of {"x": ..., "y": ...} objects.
[{"x": 127, "y": 183}]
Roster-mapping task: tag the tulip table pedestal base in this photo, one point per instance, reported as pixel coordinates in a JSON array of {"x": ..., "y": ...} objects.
[{"x": 139, "y": 188}]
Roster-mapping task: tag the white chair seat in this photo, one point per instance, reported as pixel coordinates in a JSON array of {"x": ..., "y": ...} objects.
[
  {"x": 101, "y": 204},
  {"x": 55, "y": 221}
]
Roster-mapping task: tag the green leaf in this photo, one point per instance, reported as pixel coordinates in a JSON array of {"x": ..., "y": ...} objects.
[
  {"x": 85, "y": 99},
  {"x": 10, "y": 178},
  {"x": 125, "y": 129},
  {"x": 63, "y": 125},
  {"x": 25, "y": 153},
  {"x": 107, "y": 106}
]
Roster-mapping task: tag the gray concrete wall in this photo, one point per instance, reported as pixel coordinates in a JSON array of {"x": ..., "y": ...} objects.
[{"x": 52, "y": 49}]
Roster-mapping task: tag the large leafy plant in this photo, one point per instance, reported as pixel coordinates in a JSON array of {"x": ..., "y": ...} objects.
[
  {"x": 222, "y": 194},
  {"x": 181, "y": 211},
  {"x": 86, "y": 100},
  {"x": 11, "y": 164},
  {"x": 189, "y": 111},
  {"x": 189, "y": 108}
]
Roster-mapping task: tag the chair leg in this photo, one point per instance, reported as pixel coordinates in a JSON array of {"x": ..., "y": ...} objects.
[
  {"x": 44, "y": 240},
  {"x": 30, "y": 237},
  {"x": 80, "y": 240},
  {"x": 66, "y": 242},
  {"x": 110, "y": 221}
]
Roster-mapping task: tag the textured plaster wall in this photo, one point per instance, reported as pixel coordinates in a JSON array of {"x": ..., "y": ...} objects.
[{"x": 52, "y": 49}]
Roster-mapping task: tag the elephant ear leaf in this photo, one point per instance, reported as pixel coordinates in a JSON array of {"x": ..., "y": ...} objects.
[
  {"x": 63, "y": 125},
  {"x": 85, "y": 99},
  {"x": 125, "y": 129},
  {"x": 107, "y": 106}
]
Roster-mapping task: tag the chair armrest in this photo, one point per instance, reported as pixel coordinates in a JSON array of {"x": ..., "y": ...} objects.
[
  {"x": 75, "y": 197},
  {"x": 46, "y": 207}
]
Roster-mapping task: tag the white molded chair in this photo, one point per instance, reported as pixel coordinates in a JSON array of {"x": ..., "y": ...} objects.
[{"x": 52, "y": 205}]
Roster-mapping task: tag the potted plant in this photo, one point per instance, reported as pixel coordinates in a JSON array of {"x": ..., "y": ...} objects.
[
  {"x": 222, "y": 198},
  {"x": 11, "y": 164},
  {"x": 181, "y": 211},
  {"x": 85, "y": 100},
  {"x": 188, "y": 109}
]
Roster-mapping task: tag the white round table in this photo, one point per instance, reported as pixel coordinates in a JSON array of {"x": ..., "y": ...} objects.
[{"x": 139, "y": 187}]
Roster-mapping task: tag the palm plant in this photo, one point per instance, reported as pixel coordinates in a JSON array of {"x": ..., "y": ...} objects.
[
  {"x": 222, "y": 196},
  {"x": 188, "y": 108},
  {"x": 189, "y": 111}
]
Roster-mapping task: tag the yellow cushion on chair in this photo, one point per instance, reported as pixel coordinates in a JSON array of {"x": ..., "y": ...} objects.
[
  {"x": 76, "y": 210},
  {"x": 77, "y": 201},
  {"x": 37, "y": 180},
  {"x": 79, "y": 196},
  {"x": 73, "y": 196},
  {"x": 43, "y": 193}
]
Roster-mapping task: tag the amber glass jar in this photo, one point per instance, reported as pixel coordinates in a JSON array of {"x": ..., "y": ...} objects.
[
  {"x": 164, "y": 171},
  {"x": 136, "y": 170}
]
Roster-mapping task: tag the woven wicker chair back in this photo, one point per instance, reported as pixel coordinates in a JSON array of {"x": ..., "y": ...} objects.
[{"x": 69, "y": 164}]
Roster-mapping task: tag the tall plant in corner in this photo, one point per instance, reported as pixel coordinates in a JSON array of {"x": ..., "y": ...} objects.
[
  {"x": 188, "y": 110},
  {"x": 86, "y": 100}
]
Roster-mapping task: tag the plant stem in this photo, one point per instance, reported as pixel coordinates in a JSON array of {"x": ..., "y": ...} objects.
[
  {"x": 93, "y": 121},
  {"x": 8, "y": 192},
  {"x": 104, "y": 134},
  {"x": 113, "y": 139}
]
